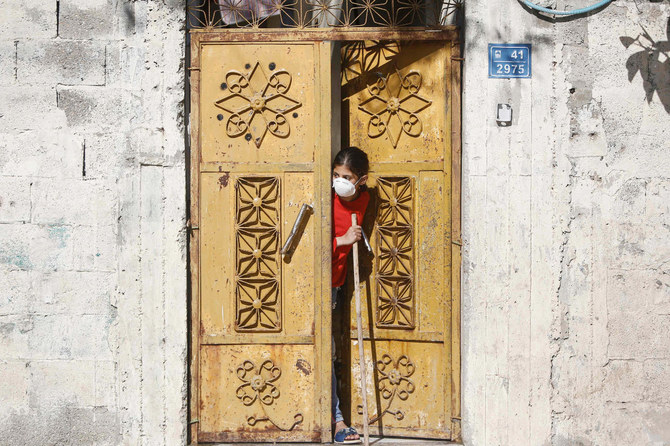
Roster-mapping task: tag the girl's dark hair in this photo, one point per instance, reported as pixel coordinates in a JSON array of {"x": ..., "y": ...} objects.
[{"x": 353, "y": 159}]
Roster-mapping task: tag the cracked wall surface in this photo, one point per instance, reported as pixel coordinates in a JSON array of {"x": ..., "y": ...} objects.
[
  {"x": 92, "y": 209},
  {"x": 566, "y": 283}
]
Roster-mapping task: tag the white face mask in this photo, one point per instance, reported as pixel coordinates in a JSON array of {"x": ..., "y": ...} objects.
[{"x": 344, "y": 188}]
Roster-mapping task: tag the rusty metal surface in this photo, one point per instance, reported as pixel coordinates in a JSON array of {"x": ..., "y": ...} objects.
[
  {"x": 260, "y": 335},
  {"x": 395, "y": 381},
  {"x": 260, "y": 101},
  {"x": 259, "y": 341},
  {"x": 395, "y": 94},
  {"x": 374, "y": 441},
  {"x": 456, "y": 247},
  {"x": 258, "y": 384},
  {"x": 194, "y": 249},
  {"x": 420, "y": 411},
  {"x": 296, "y": 35},
  {"x": 342, "y": 15}
]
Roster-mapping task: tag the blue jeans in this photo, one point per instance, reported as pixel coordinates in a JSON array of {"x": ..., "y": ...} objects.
[{"x": 335, "y": 405}]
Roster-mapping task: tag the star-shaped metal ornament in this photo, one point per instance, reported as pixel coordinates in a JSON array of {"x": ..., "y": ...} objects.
[
  {"x": 394, "y": 104},
  {"x": 256, "y": 103}
]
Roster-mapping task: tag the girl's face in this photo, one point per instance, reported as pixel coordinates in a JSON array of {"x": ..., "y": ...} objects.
[{"x": 343, "y": 171}]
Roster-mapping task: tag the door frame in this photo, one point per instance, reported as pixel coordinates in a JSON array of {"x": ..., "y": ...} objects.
[{"x": 449, "y": 34}]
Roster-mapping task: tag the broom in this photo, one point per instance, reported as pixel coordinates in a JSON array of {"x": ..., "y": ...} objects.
[{"x": 361, "y": 353}]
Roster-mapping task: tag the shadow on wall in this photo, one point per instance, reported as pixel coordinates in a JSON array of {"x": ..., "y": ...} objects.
[{"x": 653, "y": 63}]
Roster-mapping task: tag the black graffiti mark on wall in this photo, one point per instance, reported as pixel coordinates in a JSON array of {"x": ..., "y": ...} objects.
[{"x": 653, "y": 64}]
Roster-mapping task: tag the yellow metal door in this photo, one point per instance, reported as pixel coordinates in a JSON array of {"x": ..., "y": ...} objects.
[
  {"x": 261, "y": 130},
  {"x": 402, "y": 103}
]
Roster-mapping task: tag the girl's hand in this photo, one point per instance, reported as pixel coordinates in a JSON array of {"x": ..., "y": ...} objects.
[{"x": 350, "y": 237}]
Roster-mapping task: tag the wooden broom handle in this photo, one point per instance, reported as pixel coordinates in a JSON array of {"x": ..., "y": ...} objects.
[{"x": 361, "y": 350}]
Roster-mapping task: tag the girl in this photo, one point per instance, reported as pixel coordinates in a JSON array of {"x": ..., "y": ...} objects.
[{"x": 350, "y": 173}]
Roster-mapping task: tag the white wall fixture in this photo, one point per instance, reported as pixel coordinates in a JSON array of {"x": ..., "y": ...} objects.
[{"x": 504, "y": 115}]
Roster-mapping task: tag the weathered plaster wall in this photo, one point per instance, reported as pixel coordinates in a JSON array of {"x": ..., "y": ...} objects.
[
  {"x": 92, "y": 206},
  {"x": 566, "y": 285}
]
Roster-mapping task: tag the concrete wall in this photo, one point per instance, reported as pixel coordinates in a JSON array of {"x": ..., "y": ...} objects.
[
  {"x": 566, "y": 285},
  {"x": 92, "y": 206}
]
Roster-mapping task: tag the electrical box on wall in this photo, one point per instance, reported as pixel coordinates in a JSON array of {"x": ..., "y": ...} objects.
[{"x": 504, "y": 115}]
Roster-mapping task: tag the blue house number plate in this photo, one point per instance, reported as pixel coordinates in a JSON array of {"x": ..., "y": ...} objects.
[{"x": 507, "y": 60}]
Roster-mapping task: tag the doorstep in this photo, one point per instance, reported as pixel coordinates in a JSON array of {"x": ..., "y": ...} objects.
[{"x": 374, "y": 441}]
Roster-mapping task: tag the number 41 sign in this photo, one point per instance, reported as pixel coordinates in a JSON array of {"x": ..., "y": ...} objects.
[{"x": 507, "y": 60}]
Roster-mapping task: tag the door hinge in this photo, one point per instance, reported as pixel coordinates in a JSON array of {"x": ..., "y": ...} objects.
[
  {"x": 457, "y": 242},
  {"x": 456, "y": 429},
  {"x": 191, "y": 227},
  {"x": 193, "y": 421}
]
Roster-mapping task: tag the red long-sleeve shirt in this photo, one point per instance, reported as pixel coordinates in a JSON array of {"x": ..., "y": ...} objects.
[{"x": 342, "y": 211}]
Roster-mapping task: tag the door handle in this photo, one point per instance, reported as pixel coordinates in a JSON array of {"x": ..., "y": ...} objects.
[
  {"x": 298, "y": 227},
  {"x": 366, "y": 242}
]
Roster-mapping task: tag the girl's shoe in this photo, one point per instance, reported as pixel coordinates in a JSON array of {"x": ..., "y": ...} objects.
[{"x": 344, "y": 433}]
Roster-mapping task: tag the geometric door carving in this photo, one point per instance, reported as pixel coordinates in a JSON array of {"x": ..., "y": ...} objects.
[
  {"x": 257, "y": 287},
  {"x": 395, "y": 253}
]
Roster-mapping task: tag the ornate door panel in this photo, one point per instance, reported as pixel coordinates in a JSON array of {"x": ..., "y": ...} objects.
[
  {"x": 398, "y": 100},
  {"x": 259, "y": 370}
]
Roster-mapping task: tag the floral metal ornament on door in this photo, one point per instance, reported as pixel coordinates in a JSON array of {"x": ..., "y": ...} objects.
[
  {"x": 394, "y": 111},
  {"x": 259, "y": 384},
  {"x": 394, "y": 381},
  {"x": 256, "y": 103}
]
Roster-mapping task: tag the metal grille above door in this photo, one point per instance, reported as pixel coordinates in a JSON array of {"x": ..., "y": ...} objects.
[{"x": 337, "y": 15}]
